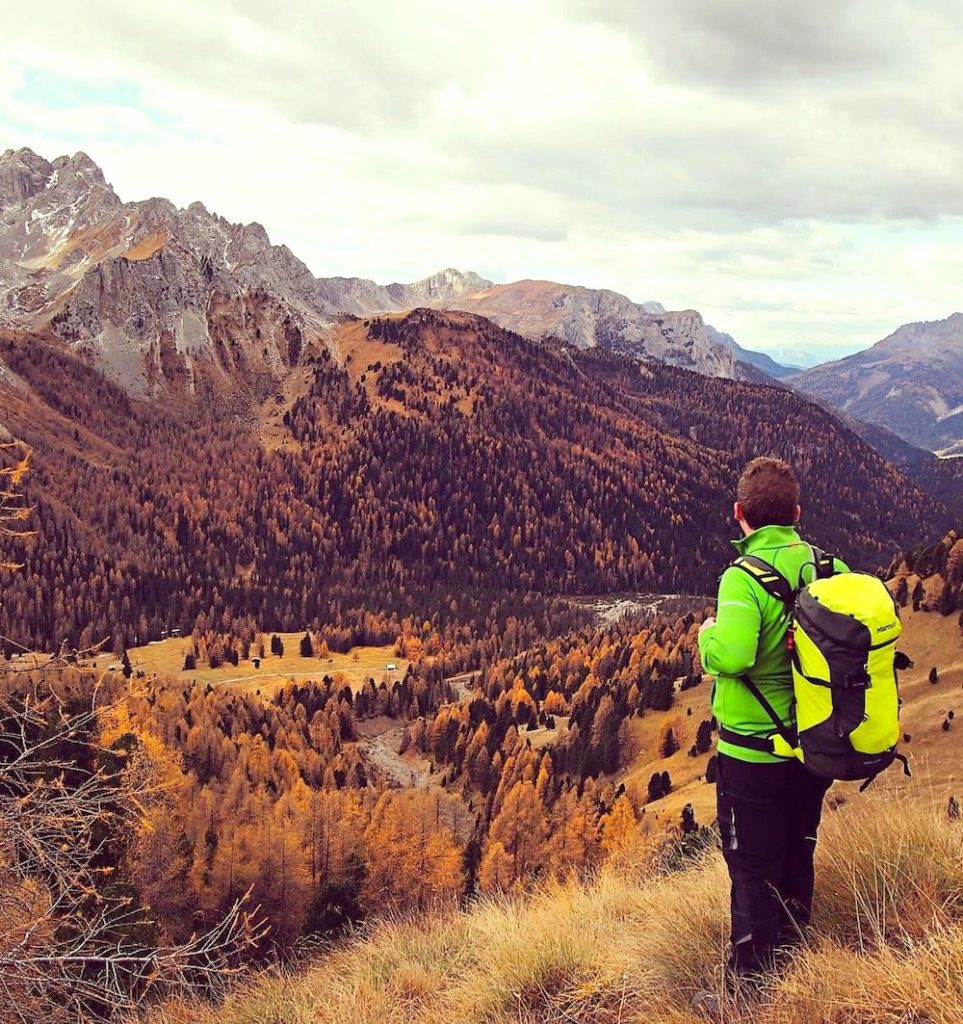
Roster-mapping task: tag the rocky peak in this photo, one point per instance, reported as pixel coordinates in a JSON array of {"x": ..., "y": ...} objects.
[
  {"x": 22, "y": 175},
  {"x": 160, "y": 295},
  {"x": 81, "y": 166},
  {"x": 163, "y": 299},
  {"x": 450, "y": 283}
]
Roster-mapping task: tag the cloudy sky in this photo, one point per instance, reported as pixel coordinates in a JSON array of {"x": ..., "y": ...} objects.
[{"x": 794, "y": 170}]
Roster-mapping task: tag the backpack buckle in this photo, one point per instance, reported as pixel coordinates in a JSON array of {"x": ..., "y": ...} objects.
[{"x": 858, "y": 679}]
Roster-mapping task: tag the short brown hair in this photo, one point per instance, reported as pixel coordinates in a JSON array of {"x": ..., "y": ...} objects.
[{"x": 768, "y": 492}]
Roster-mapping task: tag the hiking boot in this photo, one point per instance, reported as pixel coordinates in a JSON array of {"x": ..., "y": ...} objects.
[{"x": 708, "y": 1005}]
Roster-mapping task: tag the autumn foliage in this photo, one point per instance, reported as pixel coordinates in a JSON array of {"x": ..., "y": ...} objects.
[{"x": 451, "y": 467}]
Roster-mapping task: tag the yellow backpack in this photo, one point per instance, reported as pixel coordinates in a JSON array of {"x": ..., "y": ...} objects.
[{"x": 842, "y": 641}]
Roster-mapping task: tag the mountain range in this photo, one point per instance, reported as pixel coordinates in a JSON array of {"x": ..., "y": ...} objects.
[
  {"x": 170, "y": 301},
  {"x": 434, "y": 455},
  {"x": 581, "y": 317},
  {"x": 166, "y": 299},
  {"x": 197, "y": 335}
]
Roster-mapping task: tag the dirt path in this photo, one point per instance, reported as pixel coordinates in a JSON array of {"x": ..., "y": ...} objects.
[
  {"x": 382, "y": 752},
  {"x": 410, "y": 770}
]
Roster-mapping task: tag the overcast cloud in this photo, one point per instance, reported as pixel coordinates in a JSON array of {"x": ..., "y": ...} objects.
[{"x": 794, "y": 171}]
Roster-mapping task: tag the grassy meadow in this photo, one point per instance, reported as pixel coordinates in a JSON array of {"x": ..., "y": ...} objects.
[
  {"x": 166, "y": 658},
  {"x": 935, "y": 753}
]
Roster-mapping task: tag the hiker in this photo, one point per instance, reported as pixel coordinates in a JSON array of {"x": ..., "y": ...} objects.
[{"x": 769, "y": 806}]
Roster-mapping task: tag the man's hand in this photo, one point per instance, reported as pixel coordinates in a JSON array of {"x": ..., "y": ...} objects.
[{"x": 711, "y": 621}]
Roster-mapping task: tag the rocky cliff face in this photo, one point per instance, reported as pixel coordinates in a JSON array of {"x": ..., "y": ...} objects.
[
  {"x": 910, "y": 382},
  {"x": 164, "y": 299},
  {"x": 159, "y": 297},
  {"x": 586, "y": 317}
]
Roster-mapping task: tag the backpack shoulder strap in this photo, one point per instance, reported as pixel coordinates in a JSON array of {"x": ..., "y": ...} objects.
[
  {"x": 770, "y": 579},
  {"x": 823, "y": 566},
  {"x": 774, "y": 583},
  {"x": 824, "y": 563},
  {"x": 784, "y": 731}
]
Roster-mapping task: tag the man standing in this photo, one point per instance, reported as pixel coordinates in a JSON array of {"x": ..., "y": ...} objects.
[{"x": 768, "y": 806}]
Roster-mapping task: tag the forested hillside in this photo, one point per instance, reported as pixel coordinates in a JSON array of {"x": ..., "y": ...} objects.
[
  {"x": 439, "y": 467},
  {"x": 278, "y": 796}
]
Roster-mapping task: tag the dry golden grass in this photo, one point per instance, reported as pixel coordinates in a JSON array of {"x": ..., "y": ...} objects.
[
  {"x": 933, "y": 641},
  {"x": 351, "y": 339},
  {"x": 273, "y": 432},
  {"x": 886, "y": 946},
  {"x": 166, "y": 658},
  {"x": 687, "y": 773}
]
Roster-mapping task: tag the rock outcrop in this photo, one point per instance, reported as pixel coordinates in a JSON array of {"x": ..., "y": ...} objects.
[{"x": 583, "y": 317}]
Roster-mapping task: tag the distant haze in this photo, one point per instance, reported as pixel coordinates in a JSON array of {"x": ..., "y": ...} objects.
[{"x": 790, "y": 170}]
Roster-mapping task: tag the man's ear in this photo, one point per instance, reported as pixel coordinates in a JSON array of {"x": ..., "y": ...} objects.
[
  {"x": 737, "y": 512},
  {"x": 798, "y": 514}
]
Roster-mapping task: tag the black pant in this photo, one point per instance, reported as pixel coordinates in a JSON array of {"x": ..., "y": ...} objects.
[{"x": 768, "y": 818}]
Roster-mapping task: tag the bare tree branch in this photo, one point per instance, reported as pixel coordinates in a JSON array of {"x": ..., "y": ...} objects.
[
  {"x": 69, "y": 946},
  {"x": 74, "y": 947}
]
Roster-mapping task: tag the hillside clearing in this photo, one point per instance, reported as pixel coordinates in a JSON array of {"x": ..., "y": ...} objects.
[
  {"x": 935, "y": 753},
  {"x": 166, "y": 658}
]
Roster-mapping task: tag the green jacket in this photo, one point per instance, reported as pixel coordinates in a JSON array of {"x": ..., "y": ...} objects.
[{"x": 749, "y": 637}]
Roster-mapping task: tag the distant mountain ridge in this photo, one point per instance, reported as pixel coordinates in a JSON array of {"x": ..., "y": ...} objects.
[
  {"x": 910, "y": 382},
  {"x": 759, "y": 360},
  {"x": 180, "y": 300},
  {"x": 357, "y": 296},
  {"x": 582, "y": 317}
]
